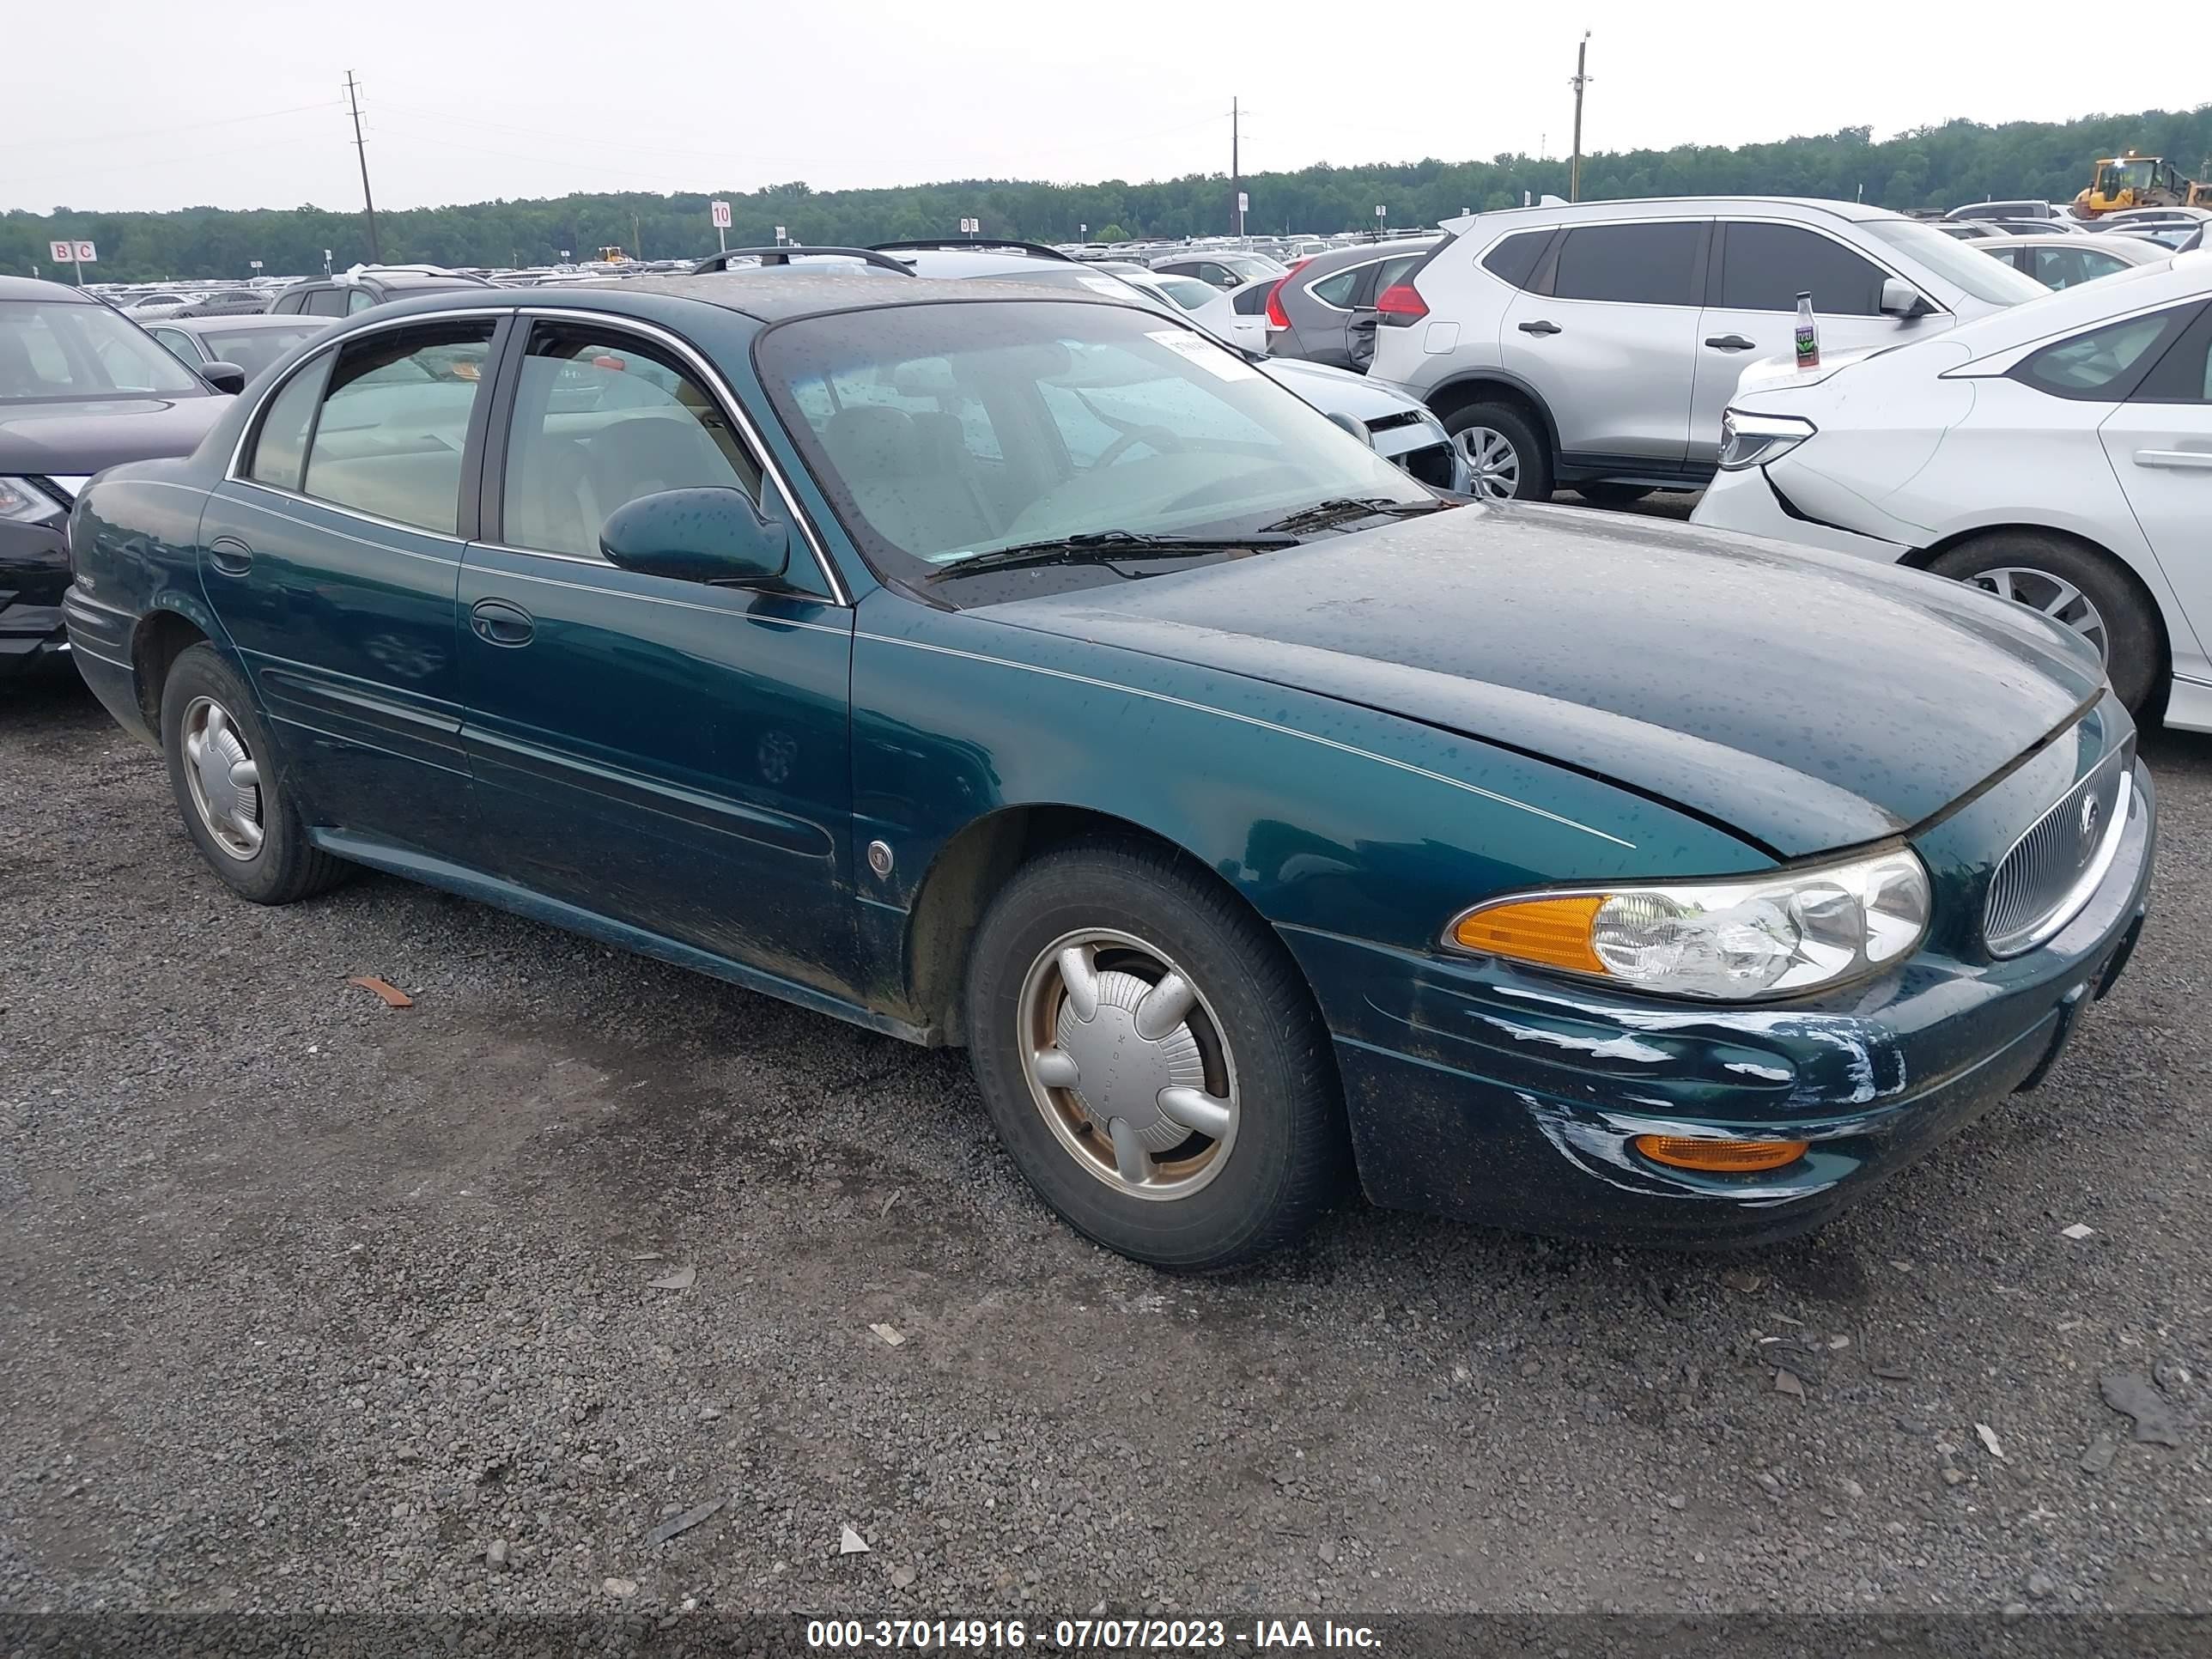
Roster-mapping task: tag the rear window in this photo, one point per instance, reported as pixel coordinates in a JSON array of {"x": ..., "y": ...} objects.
[
  {"x": 1514, "y": 259},
  {"x": 1642, "y": 265}
]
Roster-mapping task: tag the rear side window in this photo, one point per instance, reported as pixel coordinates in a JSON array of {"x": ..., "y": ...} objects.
[
  {"x": 1335, "y": 289},
  {"x": 280, "y": 448},
  {"x": 2103, "y": 365},
  {"x": 1765, "y": 267},
  {"x": 2184, "y": 375},
  {"x": 1631, "y": 264},
  {"x": 1514, "y": 259},
  {"x": 1252, "y": 300},
  {"x": 395, "y": 423}
]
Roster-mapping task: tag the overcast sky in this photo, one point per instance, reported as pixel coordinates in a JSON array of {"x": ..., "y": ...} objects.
[{"x": 243, "y": 105}]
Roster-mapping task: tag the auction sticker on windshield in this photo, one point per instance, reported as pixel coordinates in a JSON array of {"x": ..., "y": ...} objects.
[{"x": 1207, "y": 356}]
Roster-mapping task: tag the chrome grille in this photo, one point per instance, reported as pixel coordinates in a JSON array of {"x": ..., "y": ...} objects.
[{"x": 2050, "y": 872}]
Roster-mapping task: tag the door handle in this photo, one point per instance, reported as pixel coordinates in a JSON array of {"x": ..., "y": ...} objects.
[
  {"x": 2179, "y": 459},
  {"x": 1542, "y": 325},
  {"x": 496, "y": 622},
  {"x": 230, "y": 555},
  {"x": 1730, "y": 342}
]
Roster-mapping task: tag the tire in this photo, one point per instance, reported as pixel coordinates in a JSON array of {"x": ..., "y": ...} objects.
[
  {"x": 252, "y": 837},
  {"x": 1613, "y": 495},
  {"x": 2130, "y": 635},
  {"x": 1531, "y": 454},
  {"x": 1251, "y": 1035}
]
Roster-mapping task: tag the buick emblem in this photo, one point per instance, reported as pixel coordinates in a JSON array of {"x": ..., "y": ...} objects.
[{"x": 2088, "y": 821}]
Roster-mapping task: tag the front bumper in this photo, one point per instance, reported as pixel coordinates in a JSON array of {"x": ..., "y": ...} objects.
[
  {"x": 1746, "y": 500},
  {"x": 33, "y": 571},
  {"x": 1424, "y": 453},
  {"x": 1484, "y": 1091}
]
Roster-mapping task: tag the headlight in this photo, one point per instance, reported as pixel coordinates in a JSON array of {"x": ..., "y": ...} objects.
[
  {"x": 1748, "y": 439},
  {"x": 23, "y": 501},
  {"x": 1729, "y": 941}
]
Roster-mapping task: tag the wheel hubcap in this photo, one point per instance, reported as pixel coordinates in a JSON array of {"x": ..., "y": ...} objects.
[
  {"x": 1492, "y": 459},
  {"x": 2054, "y": 596},
  {"x": 1128, "y": 1064},
  {"x": 224, "y": 780}
]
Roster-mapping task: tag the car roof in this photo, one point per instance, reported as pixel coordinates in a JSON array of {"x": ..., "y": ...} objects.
[
  {"x": 2093, "y": 239},
  {"x": 1661, "y": 207},
  {"x": 33, "y": 288},
  {"x": 238, "y": 321},
  {"x": 772, "y": 294}
]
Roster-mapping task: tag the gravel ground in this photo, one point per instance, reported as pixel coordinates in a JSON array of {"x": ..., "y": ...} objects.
[{"x": 307, "y": 1302}]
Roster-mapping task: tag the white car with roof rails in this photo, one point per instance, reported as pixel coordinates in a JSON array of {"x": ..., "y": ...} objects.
[
  {"x": 1595, "y": 345},
  {"x": 2059, "y": 454}
]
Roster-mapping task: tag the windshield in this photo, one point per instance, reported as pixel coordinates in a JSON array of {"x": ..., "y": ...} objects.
[
  {"x": 941, "y": 432},
  {"x": 65, "y": 350},
  {"x": 254, "y": 348},
  {"x": 1959, "y": 264},
  {"x": 2116, "y": 176}
]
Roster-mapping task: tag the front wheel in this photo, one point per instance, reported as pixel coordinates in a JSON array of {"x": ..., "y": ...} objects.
[
  {"x": 2085, "y": 590},
  {"x": 1152, "y": 1059},
  {"x": 1507, "y": 459}
]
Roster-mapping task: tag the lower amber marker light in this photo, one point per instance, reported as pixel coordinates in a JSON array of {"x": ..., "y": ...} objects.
[{"x": 1719, "y": 1157}]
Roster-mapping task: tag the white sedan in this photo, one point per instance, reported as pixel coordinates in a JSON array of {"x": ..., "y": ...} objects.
[{"x": 2058, "y": 453}]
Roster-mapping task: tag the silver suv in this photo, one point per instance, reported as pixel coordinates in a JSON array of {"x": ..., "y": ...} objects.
[{"x": 1594, "y": 346}]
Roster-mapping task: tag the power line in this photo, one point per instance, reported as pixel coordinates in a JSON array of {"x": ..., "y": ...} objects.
[{"x": 187, "y": 127}]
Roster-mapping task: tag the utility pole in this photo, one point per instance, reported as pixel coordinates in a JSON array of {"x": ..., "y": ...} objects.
[
  {"x": 636, "y": 240},
  {"x": 1236, "y": 170},
  {"x": 1581, "y": 80},
  {"x": 367, "y": 201}
]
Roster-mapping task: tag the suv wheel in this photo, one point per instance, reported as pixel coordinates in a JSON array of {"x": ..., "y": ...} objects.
[
  {"x": 1507, "y": 459},
  {"x": 1611, "y": 495},
  {"x": 2085, "y": 590}
]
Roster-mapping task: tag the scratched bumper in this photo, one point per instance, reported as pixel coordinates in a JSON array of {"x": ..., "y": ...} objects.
[{"x": 1484, "y": 1092}]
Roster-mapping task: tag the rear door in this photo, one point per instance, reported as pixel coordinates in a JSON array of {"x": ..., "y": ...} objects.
[
  {"x": 1375, "y": 280},
  {"x": 2159, "y": 444},
  {"x": 672, "y": 754},
  {"x": 1762, "y": 266},
  {"x": 1607, "y": 334},
  {"x": 332, "y": 556}
]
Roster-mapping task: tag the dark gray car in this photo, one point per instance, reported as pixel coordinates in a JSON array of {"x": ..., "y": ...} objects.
[
  {"x": 1328, "y": 302},
  {"x": 253, "y": 342}
]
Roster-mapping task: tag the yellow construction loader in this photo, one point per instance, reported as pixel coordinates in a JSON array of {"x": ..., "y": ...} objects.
[{"x": 2139, "y": 181}]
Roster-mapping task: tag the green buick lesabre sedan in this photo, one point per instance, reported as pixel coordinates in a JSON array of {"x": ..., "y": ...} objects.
[{"x": 1018, "y": 669}]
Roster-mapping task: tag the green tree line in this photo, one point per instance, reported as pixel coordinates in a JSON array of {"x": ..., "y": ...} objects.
[{"x": 1930, "y": 168}]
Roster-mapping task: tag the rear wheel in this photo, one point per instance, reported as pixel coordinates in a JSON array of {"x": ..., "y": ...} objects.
[
  {"x": 222, "y": 772},
  {"x": 1611, "y": 495},
  {"x": 1507, "y": 458},
  {"x": 1150, "y": 1056},
  {"x": 2087, "y": 591}
]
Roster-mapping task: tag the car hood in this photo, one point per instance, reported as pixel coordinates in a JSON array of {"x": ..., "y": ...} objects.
[
  {"x": 1805, "y": 700},
  {"x": 1336, "y": 389},
  {"x": 76, "y": 439}
]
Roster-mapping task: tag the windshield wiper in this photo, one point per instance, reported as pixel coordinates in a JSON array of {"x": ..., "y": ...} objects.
[
  {"x": 1103, "y": 546},
  {"x": 1351, "y": 507}
]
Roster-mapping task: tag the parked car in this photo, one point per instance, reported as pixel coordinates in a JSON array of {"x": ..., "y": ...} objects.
[
  {"x": 1973, "y": 230},
  {"x": 1237, "y": 314},
  {"x": 2068, "y": 261},
  {"x": 148, "y": 307},
  {"x": 1401, "y": 430},
  {"x": 82, "y": 388},
  {"x": 2028, "y": 208},
  {"x": 2169, "y": 239},
  {"x": 251, "y": 341},
  {"x": 343, "y": 296},
  {"x": 228, "y": 303},
  {"x": 2137, "y": 218},
  {"x": 1324, "y": 309},
  {"x": 1596, "y": 345},
  {"x": 1006, "y": 669},
  {"x": 1221, "y": 270},
  {"x": 2060, "y": 455}
]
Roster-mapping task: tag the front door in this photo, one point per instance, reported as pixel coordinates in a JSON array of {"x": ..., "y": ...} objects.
[
  {"x": 332, "y": 560},
  {"x": 2159, "y": 444},
  {"x": 673, "y": 755},
  {"x": 1762, "y": 266},
  {"x": 1606, "y": 335}
]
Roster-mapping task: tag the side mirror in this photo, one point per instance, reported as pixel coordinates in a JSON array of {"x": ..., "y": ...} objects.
[
  {"x": 1354, "y": 425},
  {"x": 710, "y": 535},
  {"x": 223, "y": 377},
  {"x": 1901, "y": 298}
]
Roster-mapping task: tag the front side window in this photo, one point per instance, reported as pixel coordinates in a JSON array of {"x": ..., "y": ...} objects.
[
  {"x": 1641, "y": 264},
  {"x": 360, "y": 300},
  {"x": 394, "y": 424},
  {"x": 63, "y": 351},
  {"x": 2104, "y": 364},
  {"x": 1765, "y": 267},
  {"x": 324, "y": 302},
  {"x": 601, "y": 419},
  {"x": 178, "y": 343},
  {"x": 1965, "y": 267},
  {"x": 1107, "y": 419}
]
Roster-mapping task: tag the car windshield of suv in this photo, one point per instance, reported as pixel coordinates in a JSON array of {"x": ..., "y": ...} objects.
[
  {"x": 1964, "y": 266},
  {"x": 66, "y": 350},
  {"x": 941, "y": 432}
]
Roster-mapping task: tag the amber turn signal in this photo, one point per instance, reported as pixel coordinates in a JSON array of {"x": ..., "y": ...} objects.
[
  {"x": 1553, "y": 932},
  {"x": 1719, "y": 1157}
]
